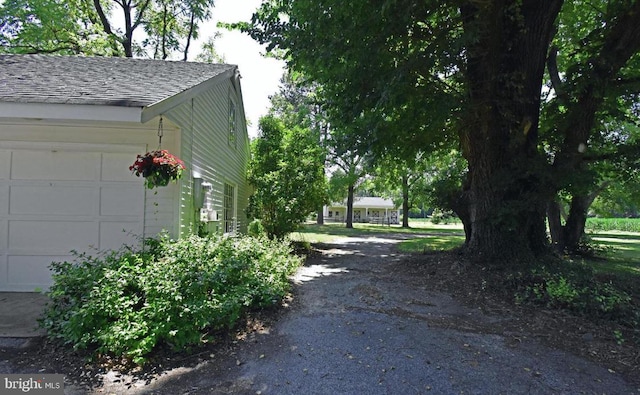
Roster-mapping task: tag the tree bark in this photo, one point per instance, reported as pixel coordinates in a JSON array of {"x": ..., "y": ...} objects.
[
  {"x": 505, "y": 66},
  {"x": 459, "y": 204},
  {"x": 574, "y": 228},
  {"x": 192, "y": 26},
  {"x": 577, "y": 220},
  {"x": 320, "y": 216},
  {"x": 127, "y": 40},
  {"x": 567, "y": 238},
  {"x": 349, "y": 218},
  {"x": 405, "y": 200},
  {"x": 555, "y": 225}
]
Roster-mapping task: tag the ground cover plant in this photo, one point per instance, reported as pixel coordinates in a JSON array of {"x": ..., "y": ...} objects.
[{"x": 174, "y": 293}]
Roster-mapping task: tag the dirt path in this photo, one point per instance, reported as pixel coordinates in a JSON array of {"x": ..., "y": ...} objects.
[{"x": 358, "y": 325}]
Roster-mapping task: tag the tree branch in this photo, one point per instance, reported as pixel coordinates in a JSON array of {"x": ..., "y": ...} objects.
[
  {"x": 189, "y": 35},
  {"x": 103, "y": 18},
  {"x": 552, "y": 66},
  {"x": 36, "y": 50},
  {"x": 141, "y": 12}
]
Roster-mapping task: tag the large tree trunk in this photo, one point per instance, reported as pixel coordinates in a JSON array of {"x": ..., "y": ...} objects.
[
  {"x": 405, "y": 201},
  {"x": 567, "y": 238},
  {"x": 574, "y": 228},
  {"x": 349, "y": 218},
  {"x": 554, "y": 216},
  {"x": 459, "y": 204},
  {"x": 320, "y": 216},
  {"x": 505, "y": 65},
  {"x": 573, "y": 231}
]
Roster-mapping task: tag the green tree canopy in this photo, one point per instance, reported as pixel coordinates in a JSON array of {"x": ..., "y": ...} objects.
[
  {"x": 287, "y": 172},
  {"x": 102, "y": 27},
  {"x": 400, "y": 73},
  {"x": 52, "y": 26}
]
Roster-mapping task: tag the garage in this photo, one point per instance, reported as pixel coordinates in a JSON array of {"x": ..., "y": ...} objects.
[
  {"x": 57, "y": 197},
  {"x": 70, "y": 127}
]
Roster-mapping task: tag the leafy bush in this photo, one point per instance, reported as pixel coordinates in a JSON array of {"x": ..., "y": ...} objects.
[
  {"x": 443, "y": 217},
  {"x": 287, "y": 173},
  {"x": 256, "y": 229},
  {"x": 174, "y": 292}
]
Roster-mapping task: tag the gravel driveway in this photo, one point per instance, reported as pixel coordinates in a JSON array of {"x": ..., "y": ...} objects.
[{"x": 359, "y": 324}]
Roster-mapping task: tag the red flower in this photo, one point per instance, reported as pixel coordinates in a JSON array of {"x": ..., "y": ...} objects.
[{"x": 158, "y": 168}]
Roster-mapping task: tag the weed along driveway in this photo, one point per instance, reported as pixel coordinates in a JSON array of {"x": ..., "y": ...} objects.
[{"x": 365, "y": 319}]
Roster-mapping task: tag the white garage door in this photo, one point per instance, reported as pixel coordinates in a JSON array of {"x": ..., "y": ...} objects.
[{"x": 55, "y": 199}]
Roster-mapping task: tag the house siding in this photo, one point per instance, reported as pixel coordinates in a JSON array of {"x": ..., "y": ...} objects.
[{"x": 207, "y": 153}]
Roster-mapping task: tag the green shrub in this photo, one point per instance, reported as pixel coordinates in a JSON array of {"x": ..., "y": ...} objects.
[
  {"x": 443, "y": 217},
  {"x": 574, "y": 287},
  {"x": 256, "y": 229},
  {"x": 175, "y": 292}
]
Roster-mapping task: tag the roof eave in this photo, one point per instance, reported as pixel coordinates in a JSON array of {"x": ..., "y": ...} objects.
[
  {"x": 61, "y": 111},
  {"x": 165, "y": 105}
]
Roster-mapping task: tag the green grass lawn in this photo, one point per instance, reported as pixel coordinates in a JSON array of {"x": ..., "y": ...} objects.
[
  {"x": 432, "y": 243},
  {"x": 427, "y": 235},
  {"x": 621, "y": 249}
]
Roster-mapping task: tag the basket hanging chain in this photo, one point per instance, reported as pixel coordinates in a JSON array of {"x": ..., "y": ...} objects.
[{"x": 160, "y": 133}]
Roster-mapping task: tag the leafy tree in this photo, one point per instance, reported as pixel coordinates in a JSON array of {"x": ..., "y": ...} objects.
[
  {"x": 446, "y": 173},
  {"x": 287, "y": 172},
  {"x": 173, "y": 24},
  {"x": 298, "y": 103},
  {"x": 209, "y": 53},
  {"x": 404, "y": 179},
  {"x": 89, "y": 27},
  {"x": 344, "y": 183},
  {"x": 599, "y": 110},
  {"x": 350, "y": 164},
  {"x": 472, "y": 71},
  {"x": 52, "y": 26}
]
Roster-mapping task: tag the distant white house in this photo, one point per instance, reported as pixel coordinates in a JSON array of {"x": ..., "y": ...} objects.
[
  {"x": 70, "y": 127},
  {"x": 365, "y": 209}
]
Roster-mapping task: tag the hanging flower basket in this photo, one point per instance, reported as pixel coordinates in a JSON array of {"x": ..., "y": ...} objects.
[{"x": 158, "y": 168}]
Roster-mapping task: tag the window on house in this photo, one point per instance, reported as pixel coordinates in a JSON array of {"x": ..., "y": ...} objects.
[
  {"x": 232, "y": 123},
  {"x": 229, "y": 208},
  {"x": 330, "y": 213}
]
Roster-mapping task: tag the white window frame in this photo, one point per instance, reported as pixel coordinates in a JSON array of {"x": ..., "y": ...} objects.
[
  {"x": 232, "y": 128},
  {"x": 229, "y": 223}
]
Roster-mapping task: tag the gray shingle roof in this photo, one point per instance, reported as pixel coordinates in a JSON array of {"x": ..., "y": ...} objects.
[{"x": 110, "y": 81}]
